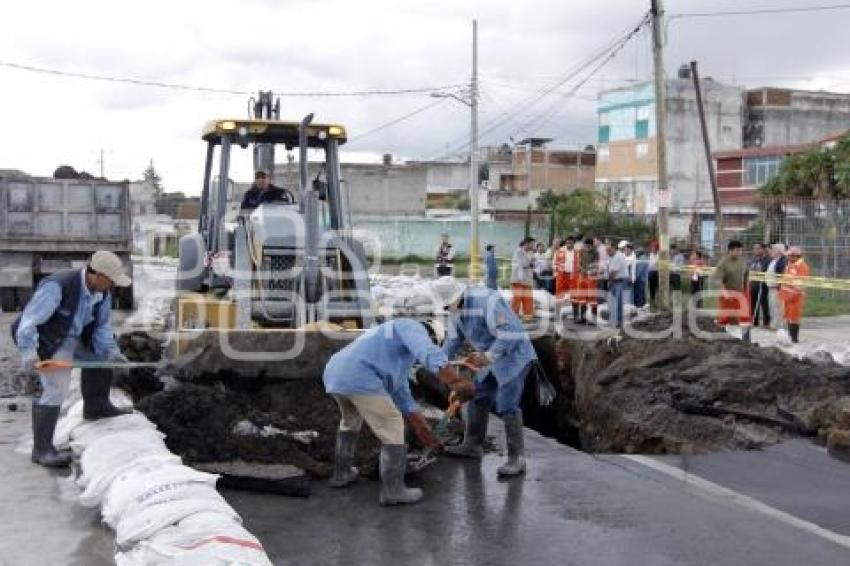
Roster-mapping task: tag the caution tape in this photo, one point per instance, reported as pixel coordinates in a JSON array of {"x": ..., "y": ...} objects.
[{"x": 809, "y": 281}]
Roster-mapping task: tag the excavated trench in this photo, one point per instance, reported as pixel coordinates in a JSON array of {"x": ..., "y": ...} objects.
[{"x": 678, "y": 395}]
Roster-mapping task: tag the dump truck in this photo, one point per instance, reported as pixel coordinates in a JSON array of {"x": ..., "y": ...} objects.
[
  {"x": 48, "y": 224},
  {"x": 272, "y": 292}
]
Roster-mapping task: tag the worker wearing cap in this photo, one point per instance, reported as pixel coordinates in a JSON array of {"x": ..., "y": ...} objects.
[
  {"x": 68, "y": 319},
  {"x": 504, "y": 356},
  {"x": 444, "y": 260},
  {"x": 734, "y": 300},
  {"x": 619, "y": 284},
  {"x": 791, "y": 293},
  {"x": 369, "y": 380},
  {"x": 262, "y": 191}
]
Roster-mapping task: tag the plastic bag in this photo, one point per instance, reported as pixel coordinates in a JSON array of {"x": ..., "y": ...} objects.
[{"x": 544, "y": 391}]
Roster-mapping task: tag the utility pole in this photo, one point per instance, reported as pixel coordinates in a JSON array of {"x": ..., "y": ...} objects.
[
  {"x": 664, "y": 196},
  {"x": 100, "y": 161},
  {"x": 718, "y": 214},
  {"x": 473, "y": 159}
]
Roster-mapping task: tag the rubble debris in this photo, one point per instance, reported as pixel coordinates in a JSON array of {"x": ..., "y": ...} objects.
[
  {"x": 694, "y": 395},
  {"x": 139, "y": 346}
]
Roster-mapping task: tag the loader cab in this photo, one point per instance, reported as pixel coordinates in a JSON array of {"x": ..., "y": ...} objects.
[{"x": 287, "y": 262}]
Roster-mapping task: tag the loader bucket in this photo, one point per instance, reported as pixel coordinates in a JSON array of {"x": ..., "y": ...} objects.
[{"x": 263, "y": 353}]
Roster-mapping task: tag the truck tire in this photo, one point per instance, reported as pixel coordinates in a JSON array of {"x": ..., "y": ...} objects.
[
  {"x": 8, "y": 301},
  {"x": 23, "y": 296}
]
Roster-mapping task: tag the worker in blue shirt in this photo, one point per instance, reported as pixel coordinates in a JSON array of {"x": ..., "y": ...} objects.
[
  {"x": 504, "y": 356},
  {"x": 491, "y": 267},
  {"x": 68, "y": 319},
  {"x": 369, "y": 380}
]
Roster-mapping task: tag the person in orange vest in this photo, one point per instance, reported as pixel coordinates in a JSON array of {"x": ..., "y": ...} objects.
[
  {"x": 565, "y": 265},
  {"x": 792, "y": 294}
]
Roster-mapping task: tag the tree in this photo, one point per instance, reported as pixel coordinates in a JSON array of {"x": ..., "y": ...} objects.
[
  {"x": 589, "y": 212},
  {"x": 152, "y": 177},
  {"x": 820, "y": 173}
]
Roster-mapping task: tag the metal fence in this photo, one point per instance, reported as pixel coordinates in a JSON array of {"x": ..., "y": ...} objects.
[{"x": 820, "y": 227}]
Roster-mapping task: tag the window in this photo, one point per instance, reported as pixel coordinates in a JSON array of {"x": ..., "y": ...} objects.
[
  {"x": 642, "y": 129},
  {"x": 641, "y": 150},
  {"x": 604, "y": 134},
  {"x": 602, "y": 154},
  {"x": 760, "y": 170}
]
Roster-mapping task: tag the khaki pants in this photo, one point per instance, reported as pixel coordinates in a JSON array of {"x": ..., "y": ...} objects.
[{"x": 379, "y": 412}]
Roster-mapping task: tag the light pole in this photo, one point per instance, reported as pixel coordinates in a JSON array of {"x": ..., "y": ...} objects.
[{"x": 472, "y": 103}]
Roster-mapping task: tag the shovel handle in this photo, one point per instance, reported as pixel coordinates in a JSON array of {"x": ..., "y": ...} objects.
[{"x": 53, "y": 365}]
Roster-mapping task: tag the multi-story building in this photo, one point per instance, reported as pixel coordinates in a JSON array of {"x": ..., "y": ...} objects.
[{"x": 626, "y": 157}]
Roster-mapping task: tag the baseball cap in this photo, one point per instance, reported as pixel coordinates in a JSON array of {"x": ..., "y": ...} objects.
[
  {"x": 622, "y": 245},
  {"x": 110, "y": 265},
  {"x": 446, "y": 290}
]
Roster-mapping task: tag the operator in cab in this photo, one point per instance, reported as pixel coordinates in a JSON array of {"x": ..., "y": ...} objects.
[{"x": 263, "y": 191}]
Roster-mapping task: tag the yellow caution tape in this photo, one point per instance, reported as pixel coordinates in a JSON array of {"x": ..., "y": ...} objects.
[{"x": 762, "y": 276}]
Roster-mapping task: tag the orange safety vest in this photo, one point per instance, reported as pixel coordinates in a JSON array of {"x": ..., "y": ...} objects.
[{"x": 790, "y": 290}]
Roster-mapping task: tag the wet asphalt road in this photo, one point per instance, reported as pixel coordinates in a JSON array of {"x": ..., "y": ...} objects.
[{"x": 571, "y": 508}]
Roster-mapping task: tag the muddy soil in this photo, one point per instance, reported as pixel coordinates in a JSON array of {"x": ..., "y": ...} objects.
[
  {"x": 200, "y": 423},
  {"x": 692, "y": 395}
]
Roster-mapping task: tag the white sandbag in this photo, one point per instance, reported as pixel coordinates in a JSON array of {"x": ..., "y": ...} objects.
[
  {"x": 113, "y": 450},
  {"x": 150, "y": 520},
  {"x": 89, "y": 431},
  {"x": 70, "y": 420},
  {"x": 94, "y": 487},
  {"x": 201, "y": 539},
  {"x": 149, "y": 483}
]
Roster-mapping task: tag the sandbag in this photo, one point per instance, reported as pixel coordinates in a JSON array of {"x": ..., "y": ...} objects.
[
  {"x": 114, "y": 450},
  {"x": 151, "y": 483},
  {"x": 201, "y": 539},
  {"x": 150, "y": 520},
  {"x": 94, "y": 487},
  {"x": 89, "y": 431}
]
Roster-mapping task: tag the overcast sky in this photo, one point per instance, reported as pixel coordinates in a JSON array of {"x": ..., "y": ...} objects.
[{"x": 346, "y": 45}]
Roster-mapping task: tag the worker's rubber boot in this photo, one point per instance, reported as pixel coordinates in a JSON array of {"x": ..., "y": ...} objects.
[
  {"x": 393, "y": 463},
  {"x": 794, "y": 333},
  {"x": 583, "y": 314},
  {"x": 746, "y": 335},
  {"x": 94, "y": 385},
  {"x": 344, "y": 473},
  {"x": 44, "y": 419},
  {"x": 576, "y": 315},
  {"x": 516, "y": 446},
  {"x": 474, "y": 434}
]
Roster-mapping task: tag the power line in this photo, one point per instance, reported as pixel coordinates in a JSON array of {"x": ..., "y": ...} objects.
[
  {"x": 528, "y": 103},
  {"x": 193, "y": 88},
  {"x": 397, "y": 120},
  {"x": 758, "y": 11}
]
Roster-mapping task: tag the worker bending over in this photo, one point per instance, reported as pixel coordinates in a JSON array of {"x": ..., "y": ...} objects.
[
  {"x": 68, "y": 319},
  {"x": 504, "y": 356},
  {"x": 369, "y": 379}
]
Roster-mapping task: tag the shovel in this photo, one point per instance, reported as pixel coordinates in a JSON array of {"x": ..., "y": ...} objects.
[{"x": 162, "y": 365}]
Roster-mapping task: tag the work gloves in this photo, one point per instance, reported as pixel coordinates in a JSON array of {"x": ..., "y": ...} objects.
[
  {"x": 29, "y": 359},
  {"x": 422, "y": 430}
]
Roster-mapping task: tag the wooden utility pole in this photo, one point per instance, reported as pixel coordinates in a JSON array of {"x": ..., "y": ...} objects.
[
  {"x": 664, "y": 196},
  {"x": 720, "y": 235},
  {"x": 473, "y": 161}
]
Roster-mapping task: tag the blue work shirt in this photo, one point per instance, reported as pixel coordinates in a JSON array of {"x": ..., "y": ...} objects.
[
  {"x": 44, "y": 303},
  {"x": 493, "y": 328},
  {"x": 379, "y": 363}
]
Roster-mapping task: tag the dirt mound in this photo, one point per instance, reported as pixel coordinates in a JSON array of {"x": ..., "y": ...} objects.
[
  {"x": 692, "y": 394},
  {"x": 139, "y": 346},
  {"x": 208, "y": 424}
]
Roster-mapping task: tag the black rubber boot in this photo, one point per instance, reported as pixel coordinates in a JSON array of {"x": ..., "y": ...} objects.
[
  {"x": 44, "y": 419},
  {"x": 794, "y": 332},
  {"x": 344, "y": 473},
  {"x": 474, "y": 433},
  {"x": 392, "y": 464},
  {"x": 583, "y": 314},
  {"x": 575, "y": 313},
  {"x": 94, "y": 385}
]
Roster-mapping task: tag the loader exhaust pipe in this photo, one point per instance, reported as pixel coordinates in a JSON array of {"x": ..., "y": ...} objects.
[{"x": 310, "y": 213}]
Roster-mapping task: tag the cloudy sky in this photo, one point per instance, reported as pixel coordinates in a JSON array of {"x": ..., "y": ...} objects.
[{"x": 525, "y": 48}]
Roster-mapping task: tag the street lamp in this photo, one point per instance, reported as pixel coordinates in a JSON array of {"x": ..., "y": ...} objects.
[{"x": 472, "y": 103}]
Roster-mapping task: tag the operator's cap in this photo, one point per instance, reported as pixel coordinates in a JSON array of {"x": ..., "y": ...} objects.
[
  {"x": 795, "y": 250},
  {"x": 446, "y": 291},
  {"x": 109, "y": 264},
  {"x": 623, "y": 244}
]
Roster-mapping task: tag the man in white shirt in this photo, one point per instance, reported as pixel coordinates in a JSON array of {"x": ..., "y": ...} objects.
[
  {"x": 522, "y": 279},
  {"x": 618, "y": 277}
]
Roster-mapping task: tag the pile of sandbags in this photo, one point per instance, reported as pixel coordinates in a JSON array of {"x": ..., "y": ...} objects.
[{"x": 162, "y": 511}]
